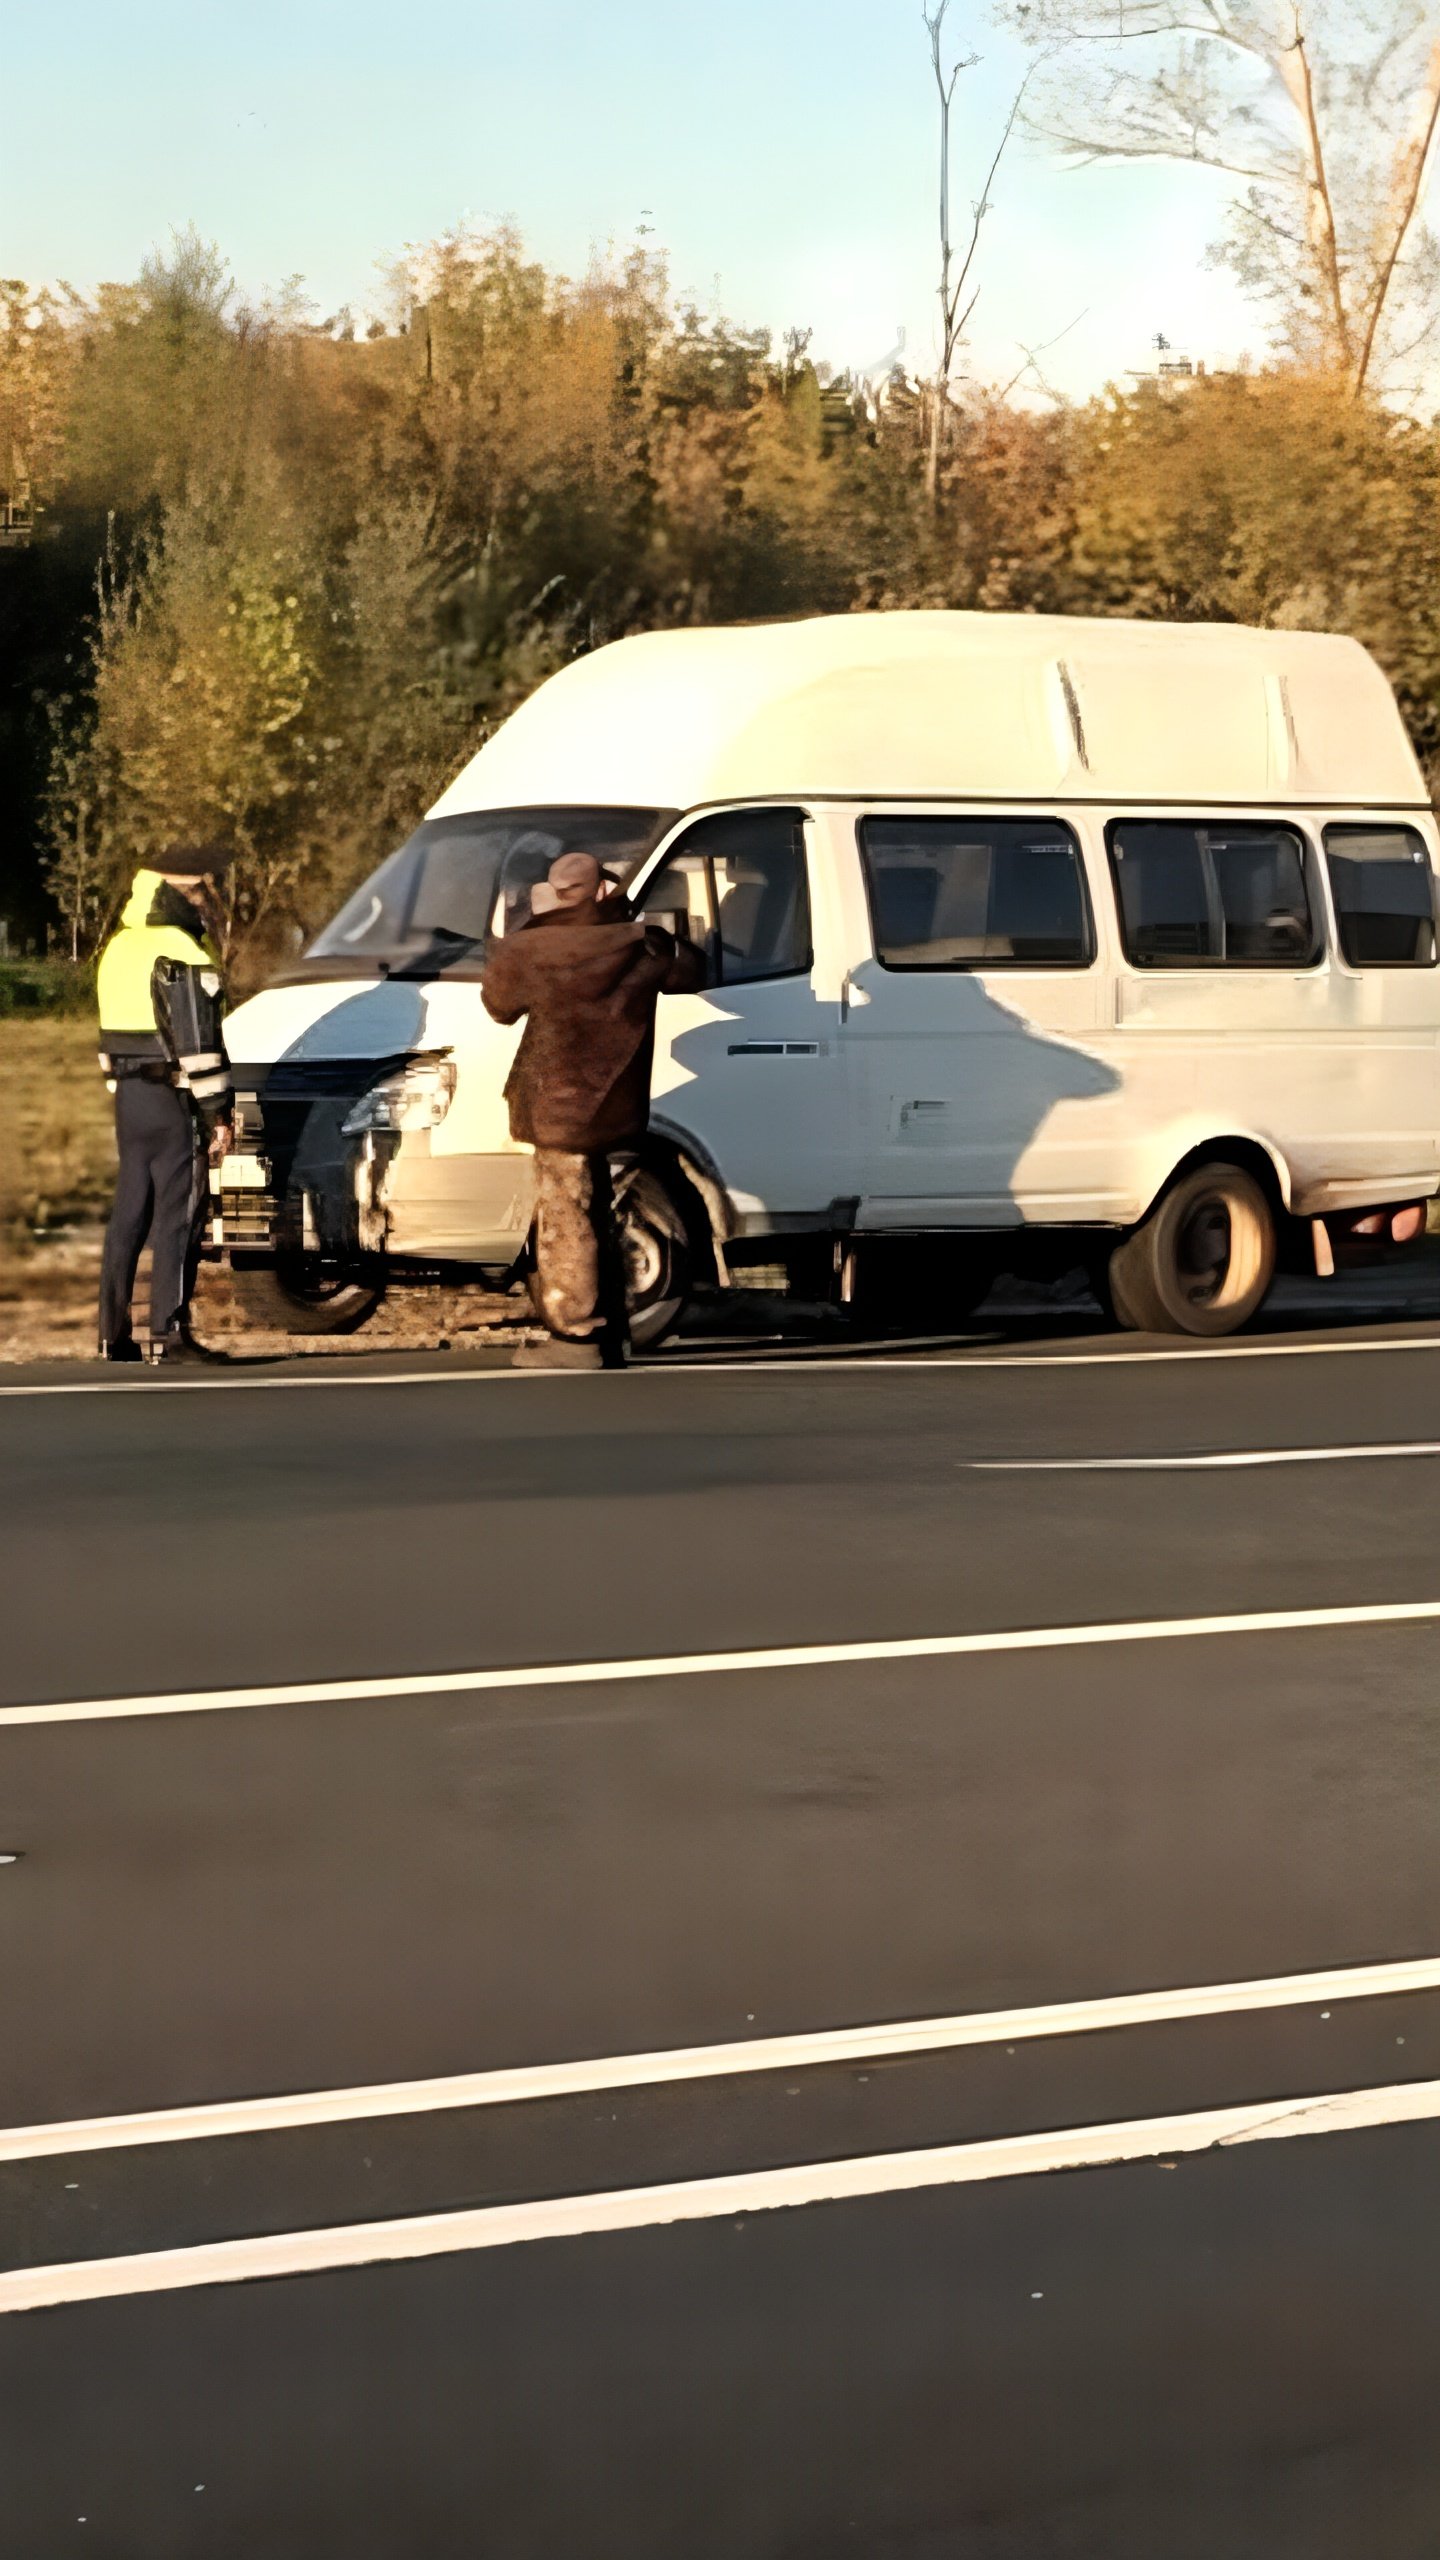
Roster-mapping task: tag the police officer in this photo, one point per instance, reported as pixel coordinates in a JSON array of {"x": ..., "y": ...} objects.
[{"x": 161, "y": 1002}]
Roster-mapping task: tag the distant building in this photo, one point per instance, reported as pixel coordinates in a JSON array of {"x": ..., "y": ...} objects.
[
  {"x": 17, "y": 513},
  {"x": 1172, "y": 372}
]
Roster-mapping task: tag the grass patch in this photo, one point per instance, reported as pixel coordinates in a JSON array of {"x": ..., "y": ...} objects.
[
  {"x": 57, "y": 1143},
  {"x": 30, "y": 987}
]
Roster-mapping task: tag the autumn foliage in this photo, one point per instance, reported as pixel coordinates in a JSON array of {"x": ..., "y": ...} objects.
[{"x": 283, "y": 577}]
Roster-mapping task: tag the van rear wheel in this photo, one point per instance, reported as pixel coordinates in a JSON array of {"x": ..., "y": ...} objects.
[{"x": 1202, "y": 1262}]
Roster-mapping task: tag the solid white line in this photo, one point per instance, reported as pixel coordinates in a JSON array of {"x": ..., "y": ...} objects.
[
  {"x": 1061, "y": 1359},
  {"x": 432, "y": 2235},
  {"x": 326, "y": 1376},
  {"x": 688, "y": 1666},
  {"x": 1208, "y": 1458},
  {"x": 859, "y": 1364},
  {"x": 525, "y": 2082}
]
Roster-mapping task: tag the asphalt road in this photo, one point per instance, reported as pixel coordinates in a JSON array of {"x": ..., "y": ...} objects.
[{"x": 830, "y": 2151}]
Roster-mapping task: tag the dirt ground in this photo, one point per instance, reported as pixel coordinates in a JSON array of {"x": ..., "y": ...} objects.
[
  {"x": 48, "y": 1295},
  {"x": 49, "y": 1286}
]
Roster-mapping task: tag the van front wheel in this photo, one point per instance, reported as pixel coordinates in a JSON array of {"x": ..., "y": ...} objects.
[
  {"x": 1204, "y": 1259},
  {"x": 658, "y": 1252},
  {"x": 293, "y": 1295},
  {"x": 659, "y": 1256}
]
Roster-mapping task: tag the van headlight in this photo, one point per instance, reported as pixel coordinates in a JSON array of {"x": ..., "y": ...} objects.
[{"x": 415, "y": 1097}]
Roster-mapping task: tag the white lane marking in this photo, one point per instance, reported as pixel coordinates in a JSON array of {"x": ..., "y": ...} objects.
[
  {"x": 859, "y": 1363},
  {"x": 432, "y": 2235},
  {"x": 516, "y": 2085},
  {"x": 689, "y": 1666},
  {"x": 165, "y": 1387},
  {"x": 1062, "y": 1359},
  {"x": 1190, "y": 1460},
  {"x": 782, "y": 1657}
]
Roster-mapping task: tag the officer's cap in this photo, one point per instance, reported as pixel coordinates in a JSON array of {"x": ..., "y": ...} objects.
[{"x": 194, "y": 861}]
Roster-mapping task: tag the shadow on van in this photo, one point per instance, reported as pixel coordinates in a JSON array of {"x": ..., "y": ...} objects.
[
  {"x": 381, "y": 1020},
  {"x": 308, "y": 1091},
  {"x": 929, "y": 1088}
]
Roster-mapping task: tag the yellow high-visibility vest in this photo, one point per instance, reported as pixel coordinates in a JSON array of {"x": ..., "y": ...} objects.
[{"x": 126, "y": 963}]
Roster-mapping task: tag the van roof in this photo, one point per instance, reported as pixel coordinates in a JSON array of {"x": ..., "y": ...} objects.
[{"x": 954, "y": 706}]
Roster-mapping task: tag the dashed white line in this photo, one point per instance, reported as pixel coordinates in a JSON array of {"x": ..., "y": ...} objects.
[
  {"x": 843, "y": 2045},
  {"x": 432, "y": 2235},
  {"x": 689, "y": 1666}
]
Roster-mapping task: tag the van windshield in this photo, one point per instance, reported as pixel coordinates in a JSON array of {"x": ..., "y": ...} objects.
[{"x": 426, "y": 912}]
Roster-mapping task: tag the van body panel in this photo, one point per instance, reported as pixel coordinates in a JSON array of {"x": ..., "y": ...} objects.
[
  {"x": 953, "y": 705},
  {"x": 457, "y": 1208},
  {"x": 754, "y": 1074},
  {"x": 880, "y": 1098},
  {"x": 1335, "y": 1071}
]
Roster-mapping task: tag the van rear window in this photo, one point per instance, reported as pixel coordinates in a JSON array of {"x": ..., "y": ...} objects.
[
  {"x": 1222, "y": 896},
  {"x": 976, "y": 893},
  {"x": 1380, "y": 879}
]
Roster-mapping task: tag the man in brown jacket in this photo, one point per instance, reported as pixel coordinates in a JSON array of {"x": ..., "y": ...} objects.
[{"x": 587, "y": 978}]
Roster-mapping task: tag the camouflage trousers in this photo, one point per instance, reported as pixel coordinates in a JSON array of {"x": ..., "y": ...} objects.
[{"x": 579, "y": 1270}]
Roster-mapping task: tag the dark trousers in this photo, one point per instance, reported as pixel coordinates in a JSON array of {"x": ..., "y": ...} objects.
[
  {"x": 579, "y": 1271},
  {"x": 158, "y": 1194}
]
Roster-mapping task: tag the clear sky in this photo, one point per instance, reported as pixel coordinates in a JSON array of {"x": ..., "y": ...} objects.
[{"x": 781, "y": 151}]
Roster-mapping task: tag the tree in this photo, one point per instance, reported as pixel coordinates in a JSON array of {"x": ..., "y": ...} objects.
[
  {"x": 329, "y": 565},
  {"x": 955, "y": 308},
  {"x": 390, "y": 724},
  {"x": 36, "y": 365},
  {"x": 1328, "y": 111},
  {"x": 199, "y": 677}
]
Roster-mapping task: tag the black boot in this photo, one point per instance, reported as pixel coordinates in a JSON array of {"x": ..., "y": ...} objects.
[
  {"x": 179, "y": 1349},
  {"x": 124, "y": 1347}
]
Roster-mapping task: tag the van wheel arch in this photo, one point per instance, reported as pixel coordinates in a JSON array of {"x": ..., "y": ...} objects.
[
  {"x": 699, "y": 1193},
  {"x": 1249, "y": 1153}
]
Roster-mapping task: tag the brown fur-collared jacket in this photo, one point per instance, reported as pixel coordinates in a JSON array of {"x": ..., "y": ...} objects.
[{"x": 587, "y": 981}]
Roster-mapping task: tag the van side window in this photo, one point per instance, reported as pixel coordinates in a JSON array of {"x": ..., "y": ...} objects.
[
  {"x": 1213, "y": 896},
  {"x": 736, "y": 884},
  {"x": 976, "y": 893},
  {"x": 1381, "y": 881}
]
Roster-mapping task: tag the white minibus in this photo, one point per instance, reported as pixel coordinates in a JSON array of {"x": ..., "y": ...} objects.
[{"x": 1032, "y": 943}]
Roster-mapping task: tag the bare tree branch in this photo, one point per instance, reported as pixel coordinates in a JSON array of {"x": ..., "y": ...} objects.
[
  {"x": 1091, "y": 155},
  {"x": 983, "y": 205},
  {"x": 1032, "y": 356},
  {"x": 1294, "y": 68},
  {"x": 1337, "y": 137},
  {"x": 954, "y": 317},
  {"x": 1411, "y": 169}
]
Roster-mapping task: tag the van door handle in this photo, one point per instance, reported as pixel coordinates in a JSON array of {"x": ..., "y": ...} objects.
[{"x": 776, "y": 1049}]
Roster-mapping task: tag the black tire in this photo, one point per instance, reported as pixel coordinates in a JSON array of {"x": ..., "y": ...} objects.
[
  {"x": 660, "y": 1256},
  {"x": 301, "y": 1297},
  {"x": 661, "y": 1263},
  {"x": 1204, "y": 1259}
]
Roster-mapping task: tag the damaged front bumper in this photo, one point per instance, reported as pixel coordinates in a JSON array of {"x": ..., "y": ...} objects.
[{"x": 299, "y": 1182}]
